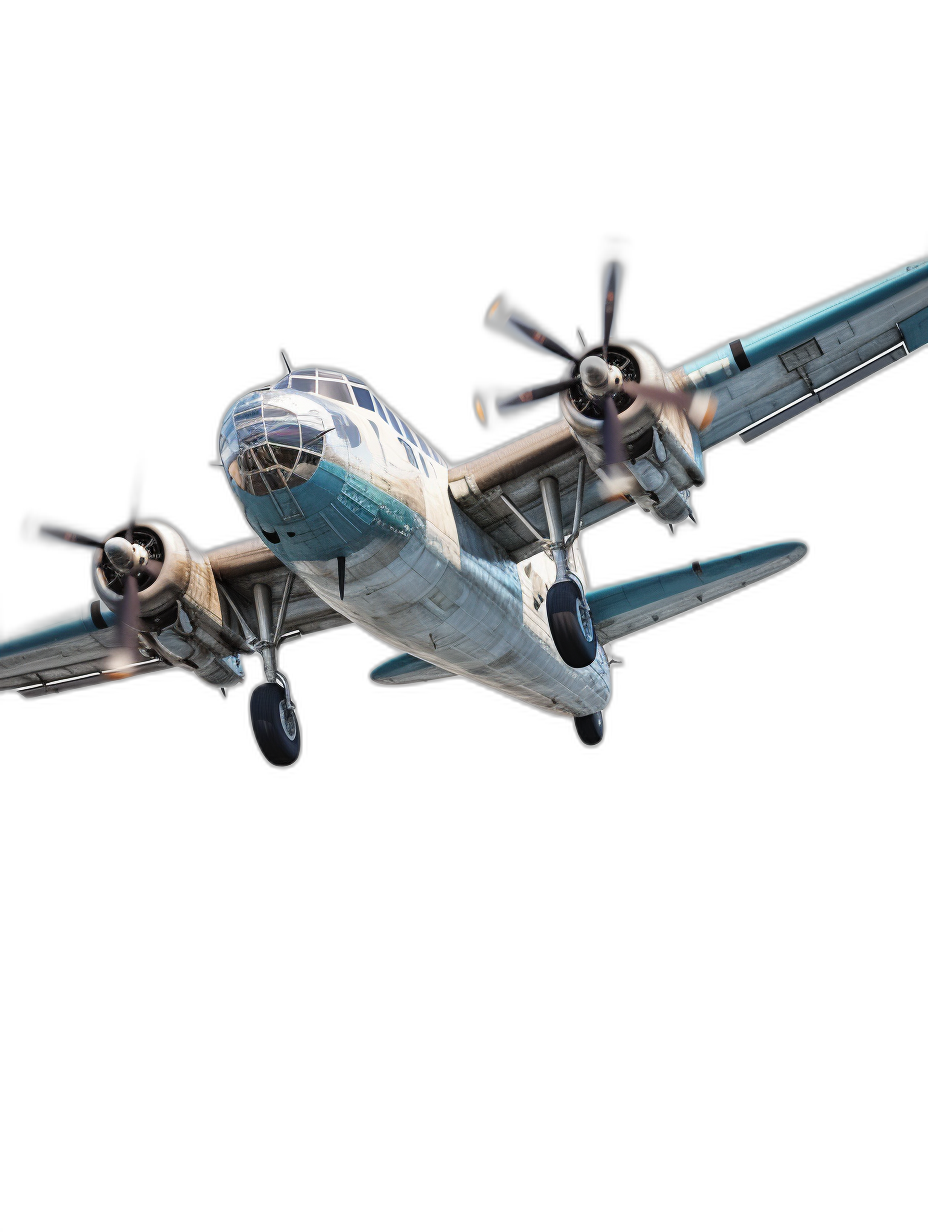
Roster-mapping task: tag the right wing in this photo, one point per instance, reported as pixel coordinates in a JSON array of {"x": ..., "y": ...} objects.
[
  {"x": 74, "y": 652},
  {"x": 238, "y": 566}
]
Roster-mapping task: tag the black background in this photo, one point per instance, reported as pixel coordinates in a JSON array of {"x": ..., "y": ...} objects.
[{"x": 131, "y": 340}]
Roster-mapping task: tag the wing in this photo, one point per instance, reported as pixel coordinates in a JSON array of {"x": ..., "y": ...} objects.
[
  {"x": 623, "y": 609},
  {"x": 767, "y": 378},
  {"x": 512, "y": 472},
  {"x": 73, "y": 652}
]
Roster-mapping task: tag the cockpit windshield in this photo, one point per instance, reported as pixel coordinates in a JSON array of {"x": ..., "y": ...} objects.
[{"x": 273, "y": 444}]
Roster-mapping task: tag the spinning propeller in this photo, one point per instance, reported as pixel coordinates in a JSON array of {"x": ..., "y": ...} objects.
[
  {"x": 599, "y": 378},
  {"x": 130, "y": 562}
]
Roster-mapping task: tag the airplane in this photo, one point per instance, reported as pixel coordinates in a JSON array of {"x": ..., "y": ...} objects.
[{"x": 473, "y": 569}]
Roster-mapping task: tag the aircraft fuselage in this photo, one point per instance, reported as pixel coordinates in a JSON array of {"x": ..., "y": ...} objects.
[{"x": 321, "y": 478}]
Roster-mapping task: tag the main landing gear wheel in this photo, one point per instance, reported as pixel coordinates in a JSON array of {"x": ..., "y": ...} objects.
[
  {"x": 590, "y": 728},
  {"x": 571, "y": 624},
  {"x": 274, "y": 722}
]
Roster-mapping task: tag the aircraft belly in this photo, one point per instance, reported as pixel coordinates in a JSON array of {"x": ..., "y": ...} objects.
[{"x": 446, "y": 593}]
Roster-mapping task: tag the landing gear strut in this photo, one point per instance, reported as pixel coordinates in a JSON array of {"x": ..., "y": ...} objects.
[
  {"x": 273, "y": 712},
  {"x": 569, "y": 617}
]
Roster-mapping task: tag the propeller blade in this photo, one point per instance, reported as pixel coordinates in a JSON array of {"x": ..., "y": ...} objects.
[
  {"x": 699, "y": 406},
  {"x": 501, "y": 317},
  {"x": 128, "y": 618},
  {"x": 70, "y": 536},
  {"x": 542, "y": 340},
  {"x": 480, "y": 408},
  {"x": 613, "y": 441},
  {"x": 134, "y": 502},
  {"x": 613, "y": 282},
  {"x": 536, "y": 394}
]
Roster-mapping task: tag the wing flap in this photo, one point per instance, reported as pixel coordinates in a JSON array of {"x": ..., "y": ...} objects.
[
  {"x": 71, "y": 647},
  {"x": 774, "y": 370},
  {"x": 630, "y": 606}
]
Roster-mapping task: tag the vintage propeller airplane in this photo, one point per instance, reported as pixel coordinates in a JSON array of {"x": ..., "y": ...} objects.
[{"x": 468, "y": 570}]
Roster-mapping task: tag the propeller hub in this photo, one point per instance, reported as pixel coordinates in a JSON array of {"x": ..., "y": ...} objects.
[
  {"x": 598, "y": 377},
  {"x": 125, "y": 557}
]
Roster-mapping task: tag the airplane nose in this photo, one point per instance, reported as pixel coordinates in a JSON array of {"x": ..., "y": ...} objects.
[{"x": 267, "y": 446}]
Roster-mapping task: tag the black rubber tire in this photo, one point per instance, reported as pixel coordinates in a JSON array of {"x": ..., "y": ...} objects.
[
  {"x": 590, "y": 728},
  {"x": 568, "y": 612},
  {"x": 278, "y": 746}
]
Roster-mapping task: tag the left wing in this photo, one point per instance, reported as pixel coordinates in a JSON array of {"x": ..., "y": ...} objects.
[
  {"x": 766, "y": 378},
  {"x": 761, "y": 381}
]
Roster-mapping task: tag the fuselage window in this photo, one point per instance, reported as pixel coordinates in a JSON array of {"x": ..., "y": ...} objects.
[
  {"x": 409, "y": 454},
  {"x": 380, "y": 411},
  {"x": 346, "y": 428},
  {"x": 363, "y": 397},
  {"x": 335, "y": 389},
  {"x": 425, "y": 467},
  {"x": 394, "y": 420},
  {"x": 407, "y": 432}
]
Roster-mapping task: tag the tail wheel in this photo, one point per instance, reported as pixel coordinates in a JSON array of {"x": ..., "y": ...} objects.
[
  {"x": 276, "y": 727},
  {"x": 571, "y": 624},
  {"x": 590, "y": 727}
]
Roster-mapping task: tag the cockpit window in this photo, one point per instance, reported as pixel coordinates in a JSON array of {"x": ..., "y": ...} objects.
[
  {"x": 267, "y": 447},
  {"x": 304, "y": 383},
  {"x": 335, "y": 389},
  {"x": 363, "y": 397}
]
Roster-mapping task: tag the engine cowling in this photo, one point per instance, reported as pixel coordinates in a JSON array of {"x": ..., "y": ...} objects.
[
  {"x": 180, "y": 606},
  {"x": 663, "y": 450}
]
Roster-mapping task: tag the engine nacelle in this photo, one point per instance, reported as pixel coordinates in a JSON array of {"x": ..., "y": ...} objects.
[
  {"x": 664, "y": 453},
  {"x": 180, "y": 606}
]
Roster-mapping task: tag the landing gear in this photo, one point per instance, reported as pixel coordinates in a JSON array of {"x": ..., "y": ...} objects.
[
  {"x": 571, "y": 624},
  {"x": 590, "y": 727},
  {"x": 273, "y": 713},
  {"x": 568, "y": 612},
  {"x": 274, "y": 722}
]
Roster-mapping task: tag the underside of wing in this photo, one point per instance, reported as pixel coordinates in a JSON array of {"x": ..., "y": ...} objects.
[
  {"x": 767, "y": 378},
  {"x": 206, "y": 623},
  {"x": 239, "y": 566},
  {"x": 492, "y": 487},
  {"x": 72, "y": 652}
]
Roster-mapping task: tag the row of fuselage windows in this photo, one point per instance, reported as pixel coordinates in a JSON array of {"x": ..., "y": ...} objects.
[{"x": 337, "y": 386}]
